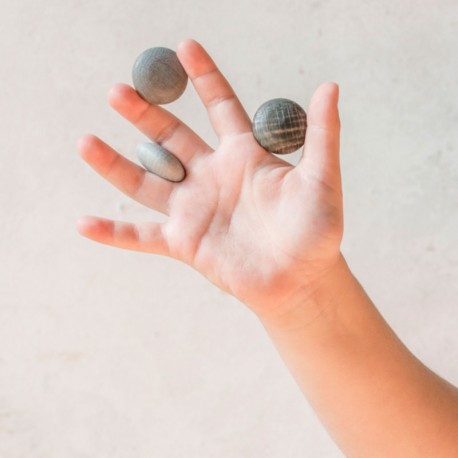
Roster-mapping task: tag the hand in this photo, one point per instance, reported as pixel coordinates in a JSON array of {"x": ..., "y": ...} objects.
[{"x": 254, "y": 225}]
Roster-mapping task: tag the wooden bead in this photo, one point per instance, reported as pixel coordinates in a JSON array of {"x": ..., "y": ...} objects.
[
  {"x": 158, "y": 75},
  {"x": 161, "y": 162},
  {"x": 279, "y": 126}
]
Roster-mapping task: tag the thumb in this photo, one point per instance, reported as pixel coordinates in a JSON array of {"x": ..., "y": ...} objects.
[{"x": 322, "y": 140}]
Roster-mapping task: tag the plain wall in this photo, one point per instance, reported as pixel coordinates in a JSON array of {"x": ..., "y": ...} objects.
[{"x": 110, "y": 353}]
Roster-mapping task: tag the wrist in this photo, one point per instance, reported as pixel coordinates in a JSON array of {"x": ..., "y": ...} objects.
[
  {"x": 354, "y": 370},
  {"x": 315, "y": 302}
]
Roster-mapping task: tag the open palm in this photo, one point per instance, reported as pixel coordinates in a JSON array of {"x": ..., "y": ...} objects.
[{"x": 253, "y": 224}]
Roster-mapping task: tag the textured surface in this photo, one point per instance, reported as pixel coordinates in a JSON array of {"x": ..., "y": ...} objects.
[
  {"x": 158, "y": 75},
  {"x": 279, "y": 125},
  {"x": 112, "y": 354},
  {"x": 160, "y": 161}
]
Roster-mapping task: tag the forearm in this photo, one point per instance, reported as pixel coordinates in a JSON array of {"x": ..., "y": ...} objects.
[{"x": 373, "y": 396}]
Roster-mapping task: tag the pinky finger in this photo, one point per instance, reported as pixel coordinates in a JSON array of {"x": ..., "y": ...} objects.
[{"x": 146, "y": 237}]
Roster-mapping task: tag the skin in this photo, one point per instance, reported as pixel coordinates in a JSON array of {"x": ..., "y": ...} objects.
[{"x": 270, "y": 234}]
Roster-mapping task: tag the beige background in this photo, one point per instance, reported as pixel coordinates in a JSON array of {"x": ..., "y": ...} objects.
[{"x": 107, "y": 353}]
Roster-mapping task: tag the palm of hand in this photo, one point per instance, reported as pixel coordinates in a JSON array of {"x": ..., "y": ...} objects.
[{"x": 250, "y": 222}]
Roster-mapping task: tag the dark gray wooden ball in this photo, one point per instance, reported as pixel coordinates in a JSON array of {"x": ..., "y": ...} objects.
[
  {"x": 279, "y": 126},
  {"x": 158, "y": 75}
]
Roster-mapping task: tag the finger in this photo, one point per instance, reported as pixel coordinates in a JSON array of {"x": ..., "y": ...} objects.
[
  {"x": 142, "y": 186},
  {"x": 322, "y": 140},
  {"x": 226, "y": 113},
  {"x": 157, "y": 123},
  {"x": 146, "y": 237}
]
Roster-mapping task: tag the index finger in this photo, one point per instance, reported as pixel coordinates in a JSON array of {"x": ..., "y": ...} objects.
[{"x": 225, "y": 111}]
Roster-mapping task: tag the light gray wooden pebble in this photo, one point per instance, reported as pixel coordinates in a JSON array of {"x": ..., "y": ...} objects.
[
  {"x": 279, "y": 126},
  {"x": 161, "y": 162},
  {"x": 158, "y": 75}
]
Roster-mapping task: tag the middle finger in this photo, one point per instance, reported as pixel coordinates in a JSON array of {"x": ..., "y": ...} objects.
[{"x": 157, "y": 123}]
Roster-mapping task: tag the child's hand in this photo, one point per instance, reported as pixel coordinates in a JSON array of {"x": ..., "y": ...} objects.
[
  {"x": 254, "y": 225},
  {"x": 270, "y": 234}
]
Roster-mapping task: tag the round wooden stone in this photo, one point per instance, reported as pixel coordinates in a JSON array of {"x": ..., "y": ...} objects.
[
  {"x": 158, "y": 75},
  {"x": 279, "y": 126}
]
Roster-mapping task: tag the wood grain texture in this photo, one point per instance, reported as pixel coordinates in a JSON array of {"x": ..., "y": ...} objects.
[{"x": 279, "y": 126}]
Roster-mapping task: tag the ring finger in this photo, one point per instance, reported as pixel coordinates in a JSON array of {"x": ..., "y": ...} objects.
[{"x": 134, "y": 181}]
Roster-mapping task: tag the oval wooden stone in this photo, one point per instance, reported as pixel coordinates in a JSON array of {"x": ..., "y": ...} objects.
[
  {"x": 158, "y": 75},
  {"x": 161, "y": 162},
  {"x": 279, "y": 126}
]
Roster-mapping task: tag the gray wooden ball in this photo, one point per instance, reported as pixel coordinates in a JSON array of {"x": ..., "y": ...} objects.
[
  {"x": 158, "y": 75},
  {"x": 279, "y": 126}
]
